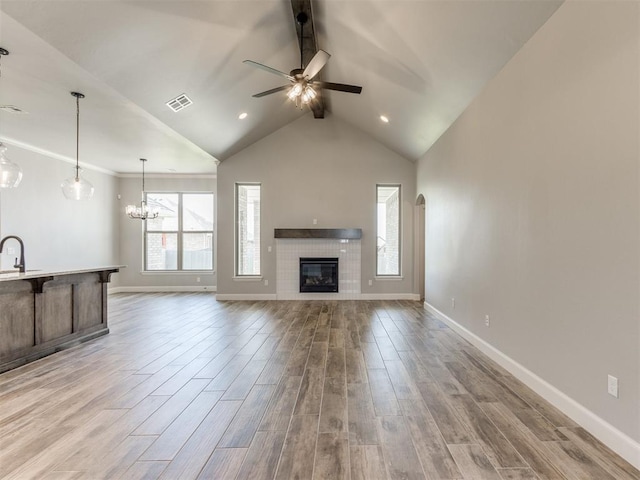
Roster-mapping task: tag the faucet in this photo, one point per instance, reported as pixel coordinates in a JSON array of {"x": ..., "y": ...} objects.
[{"x": 17, "y": 265}]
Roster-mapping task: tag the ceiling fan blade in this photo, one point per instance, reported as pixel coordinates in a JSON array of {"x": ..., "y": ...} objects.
[
  {"x": 318, "y": 61},
  {"x": 268, "y": 69},
  {"x": 269, "y": 92},
  {"x": 339, "y": 87}
]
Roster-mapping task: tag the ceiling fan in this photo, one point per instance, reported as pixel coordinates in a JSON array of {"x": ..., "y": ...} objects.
[{"x": 303, "y": 88}]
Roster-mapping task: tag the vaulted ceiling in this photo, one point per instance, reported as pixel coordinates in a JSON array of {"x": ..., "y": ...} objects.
[{"x": 420, "y": 63}]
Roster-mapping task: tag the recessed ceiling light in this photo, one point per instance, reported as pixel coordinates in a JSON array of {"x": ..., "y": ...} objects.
[
  {"x": 243, "y": 115},
  {"x": 384, "y": 119}
]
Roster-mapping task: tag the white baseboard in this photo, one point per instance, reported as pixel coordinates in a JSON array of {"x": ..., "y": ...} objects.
[
  {"x": 264, "y": 296},
  {"x": 246, "y": 296},
  {"x": 141, "y": 289},
  {"x": 319, "y": 296},
  {"x": 618, "y": 441},
  {"x": 390, "y": 296}
]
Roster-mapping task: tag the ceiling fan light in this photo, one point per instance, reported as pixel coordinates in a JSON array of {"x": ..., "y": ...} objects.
[
  {"x": 310, "y": 92},
  {"x": 295, "y": 91}
]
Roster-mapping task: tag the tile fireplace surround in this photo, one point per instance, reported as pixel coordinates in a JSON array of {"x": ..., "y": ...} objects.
[{"x": 289, "y": 251}]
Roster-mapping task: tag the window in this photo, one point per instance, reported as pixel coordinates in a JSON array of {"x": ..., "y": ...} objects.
[
  {"x": 247, "y": 229},
  {"x": 388, "y": 230},
  {"x": 181, "y": 237}
]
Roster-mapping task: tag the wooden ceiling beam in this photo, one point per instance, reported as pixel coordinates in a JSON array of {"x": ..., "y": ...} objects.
[{"x": 308, "y": 48}]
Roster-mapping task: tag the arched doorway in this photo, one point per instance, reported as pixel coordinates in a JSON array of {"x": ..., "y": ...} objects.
[{"x": 419, "y": 249}]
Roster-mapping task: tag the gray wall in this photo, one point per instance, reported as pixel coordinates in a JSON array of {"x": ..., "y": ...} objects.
[
  {"x": 59, "y": 233},
  {"x": 533, "y": 209},
  {"x": 322, "y": 169},
  {"x": 131, "y": 231}
]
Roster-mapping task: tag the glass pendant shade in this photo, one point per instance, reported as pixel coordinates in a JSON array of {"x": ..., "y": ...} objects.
[
  {"x": 76, "y": 188},
  {"x": 10, "y": 173}
]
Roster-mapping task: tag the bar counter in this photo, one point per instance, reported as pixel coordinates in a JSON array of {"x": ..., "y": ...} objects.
[{"x": 44, "y": 311}]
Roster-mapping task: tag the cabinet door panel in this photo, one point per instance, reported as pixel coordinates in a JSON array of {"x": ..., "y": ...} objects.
[
  {"x": 17, "y": 322},
  {"x": 57, "y": 318},
  {"x": 88, "y": 296}
]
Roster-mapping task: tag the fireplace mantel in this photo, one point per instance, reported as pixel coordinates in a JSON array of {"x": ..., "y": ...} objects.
[{"x": 339, "y": 233}]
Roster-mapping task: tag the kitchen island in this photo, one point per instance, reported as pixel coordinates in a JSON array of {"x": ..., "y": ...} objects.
[{"x": 44, "y": 311}]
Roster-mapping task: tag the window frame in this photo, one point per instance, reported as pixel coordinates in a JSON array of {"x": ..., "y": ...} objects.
[
  {"x": 179, "y": 235},
  {"x": 398, "y": 275},
  {"x": 236, "y": 233}
]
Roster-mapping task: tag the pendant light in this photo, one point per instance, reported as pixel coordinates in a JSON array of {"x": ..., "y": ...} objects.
[
  {"x": 10, "y": 173},
  {"x": 77, "y": 188},
  {"x": 143, "y": 212}
]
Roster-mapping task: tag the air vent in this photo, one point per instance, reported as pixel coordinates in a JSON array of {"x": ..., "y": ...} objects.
[
  {"x": 179, "y": 103},
  {"x": 11, "y": 109}
]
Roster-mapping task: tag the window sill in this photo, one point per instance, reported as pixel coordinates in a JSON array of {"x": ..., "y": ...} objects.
[
  {"x": 177, "y": 272},
  {"x": 388, "y": 277},
  {"x": 247, "y": 278}
]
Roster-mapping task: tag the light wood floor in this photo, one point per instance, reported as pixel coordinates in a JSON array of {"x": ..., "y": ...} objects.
[{"x": 187, "y": 387}]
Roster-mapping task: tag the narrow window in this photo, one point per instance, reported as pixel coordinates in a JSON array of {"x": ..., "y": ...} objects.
[
  {"x": 181, "y": 237},
  {"x": 388, "y": 230},
  {"x": 247, "y": 229}
]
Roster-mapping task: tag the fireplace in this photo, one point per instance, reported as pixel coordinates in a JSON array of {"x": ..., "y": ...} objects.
[{"x": 318, "y": 274}]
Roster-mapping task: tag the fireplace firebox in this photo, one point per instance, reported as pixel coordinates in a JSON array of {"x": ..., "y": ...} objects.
[{"x": 318, "y": 274}]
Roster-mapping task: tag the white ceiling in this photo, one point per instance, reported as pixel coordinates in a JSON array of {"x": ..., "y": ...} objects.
[{"x": 420, "y": 63}]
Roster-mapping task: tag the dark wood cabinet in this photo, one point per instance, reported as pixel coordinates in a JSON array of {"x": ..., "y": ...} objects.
[{"x": 44, "y": 313}]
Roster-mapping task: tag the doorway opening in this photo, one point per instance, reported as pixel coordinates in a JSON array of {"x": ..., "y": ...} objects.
[{"x": 420, "y": 245}]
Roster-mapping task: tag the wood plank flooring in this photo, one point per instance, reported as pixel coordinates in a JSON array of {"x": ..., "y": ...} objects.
[{"x": 185, "y": 387}]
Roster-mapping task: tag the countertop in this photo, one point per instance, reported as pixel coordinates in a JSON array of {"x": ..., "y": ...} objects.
[{"x": 11, "y": 275}]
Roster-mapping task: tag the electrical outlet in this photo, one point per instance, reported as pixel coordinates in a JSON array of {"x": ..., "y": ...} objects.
[
  {"x": 487, "y": 321},
  {"x": 11, "y": 251},
  {"x": 315, "y": 221},
  {"x": 453, "y": 303},
  {"x": 269, "y": 249},
  {"x": 198, "y": 279},
  {"x": 266, "y": 283},
  {"x": 370, "y": 283},
  {"x": 612, "y": 386}
]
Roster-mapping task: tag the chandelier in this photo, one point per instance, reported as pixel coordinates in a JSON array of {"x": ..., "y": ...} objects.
[
  {"x": 77, "y": 188},
  {"x": 142, "y": 212}
]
